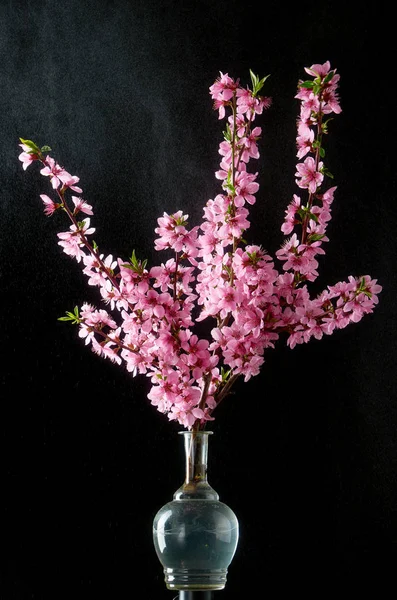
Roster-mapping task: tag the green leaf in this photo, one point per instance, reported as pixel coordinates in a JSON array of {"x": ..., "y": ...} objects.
[
  {"x": 315, "y": 237},
  {"x": 230, "y": 187},
  {"x": 325, "y": 171},
  {"x": 307, "y": 84},
  {"x": 324, "y": 125},
  {"x": 72, "y": 316},
  {"x": 257, "y": 84},
  {"x": 322, "y": 152},
  {"x": 227, "y": 269},
  {"x": 46, "y": 149},
  {"x": 225, "y": 374},
  {"x": 138, "y": 266},
  {"x": 254, "y": 79},
  {"x": 305, "y": 212},
  {"x": 33, "y": 147},
  {"x": 133, "y": 259},
  {"x": 316, "y": 89},
  {"x": 228, "y": 183},
  {"x": 328, "y": 77},
  {"x": 228, "y": 134},
  {"x": 362, "y": 289}
]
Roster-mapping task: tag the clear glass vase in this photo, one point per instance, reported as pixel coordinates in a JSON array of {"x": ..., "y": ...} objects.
[{"x": 195, "y": 535}]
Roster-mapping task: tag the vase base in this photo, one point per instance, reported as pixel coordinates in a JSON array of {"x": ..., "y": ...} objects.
[
  {"x": 195, "y": 581},
  {"x": 194, "y": 588},
  {"x": 194, "y": 595}
]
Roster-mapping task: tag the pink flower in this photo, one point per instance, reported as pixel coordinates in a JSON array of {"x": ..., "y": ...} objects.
[
  {"x": 54, "y": 171},
  {"x": 27, "y": 156},
  {"x": 304, "y": 142},
  {"x": 246, "y": 103},
  {"x": 49, "y": 205},
  {"x": 328, "y": 196},
  {"x": 69, "y": 181},
  {"x": 219, "y": 105},
  {"x": 224, "y": 87},
  {"x": 249, "y": 105},
  {"x": 234, "y": 226},
  {"x": 227, "y": 298},
  {"x": 310, "y": 175},
  {"x": 290, "y": 214},
  {"x": 72, "y": 241},
  {"x": 249, "y": 145},
  {"x": 317, "y": 70},
  {"x": 81, "y": 205},
  {"x": 222, "y": 91},
  {"x": 246, "y": 187},
  {"x": 310, "y": 105}
]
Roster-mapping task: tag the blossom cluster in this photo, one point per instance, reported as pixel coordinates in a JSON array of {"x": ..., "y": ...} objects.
[{"x": 213, "y": 274}]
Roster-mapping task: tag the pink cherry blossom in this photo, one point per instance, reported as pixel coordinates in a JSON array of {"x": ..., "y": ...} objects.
[
  {"x": 246, "y": 187},
  {"x": 54, "y": 171},
  {"x": 310, "y": 174},
  {"x": 49, "y": 205},
  {"x": 318, "y": 70},
  {"x": 81, "y": 205},
  {"x": 27, "y": 157},
  {"x": 72, "y": 242}
]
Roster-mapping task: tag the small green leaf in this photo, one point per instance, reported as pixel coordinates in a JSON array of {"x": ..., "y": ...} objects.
[
  {"x": 307, "y": 84},
  {"x": 33, "y": 147},
  {"x": 230, "y": 187},
  {"x": 225, "y": 374},
  {"x": 257, "y": 84},
  {"x": 135, "y": 265},
  {"x": 46, "y": 149},
  {"x": 133, "y": 259},
  {"x": 325, "y": 171},
  {"x": 328, "y": 77},
  {"x": 72, "y": 316},
  {"x": 254, "y": 78},
  {"x": 324, "y": 125},
  {"x": 128, "y": 266},
  {"x": 305, "y": 212},
  {"x": 316, "y": 89},
  {"x": 228, "y": 134},
  {"x": 315, "y": 237}
]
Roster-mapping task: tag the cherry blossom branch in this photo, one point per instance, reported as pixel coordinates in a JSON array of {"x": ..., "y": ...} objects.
[{"x": 235, "y": 285}]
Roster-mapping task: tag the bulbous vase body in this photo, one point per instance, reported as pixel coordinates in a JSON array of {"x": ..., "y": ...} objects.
[{"x": 195, "y": 535}]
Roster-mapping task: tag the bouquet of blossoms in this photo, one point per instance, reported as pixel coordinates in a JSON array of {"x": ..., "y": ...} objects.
[{"x": 212, "y": 273}]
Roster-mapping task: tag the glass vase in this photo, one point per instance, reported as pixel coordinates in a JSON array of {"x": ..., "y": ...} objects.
[{"x": 195, "y": 535}]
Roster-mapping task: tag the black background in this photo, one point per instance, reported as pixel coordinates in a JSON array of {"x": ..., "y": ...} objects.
[{"x": 305, "y": 453}]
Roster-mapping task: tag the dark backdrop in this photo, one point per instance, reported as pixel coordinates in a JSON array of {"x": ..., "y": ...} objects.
[{"x": 305, "y": 453}]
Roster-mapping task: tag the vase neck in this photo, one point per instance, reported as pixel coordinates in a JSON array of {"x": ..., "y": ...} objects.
[{"x": 196, "y": 484}]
